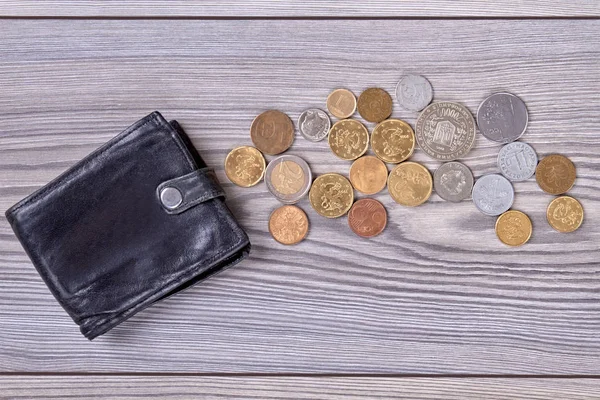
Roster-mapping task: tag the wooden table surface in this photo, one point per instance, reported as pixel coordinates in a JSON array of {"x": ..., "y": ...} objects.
[{"x": 434, "y": 308}]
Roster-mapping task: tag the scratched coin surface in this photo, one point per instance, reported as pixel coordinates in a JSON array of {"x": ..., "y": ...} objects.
[
  {"x": 288, "y": 178},
  {"x": 272, "y": 132},
  {"x": 331, "y": 195},
  {"x": 393, "y": 140},
  {"x": 445, "y": 131},
  {"x": 314, "y": 124},
  {"x": 348, "y": 139},
  {"x": 341, "y": 103},
  {"x": 374, "y": 104},
  {"x": 368, "y": 174},
  {"x": 414, "y": 92},
  {"x": 367, "y": 218},
  {"x": 565, "y": 214},
  {"x": 245, "y": 166},
  {"x": 555, "y": 174},
  {"x": 493, "y": 194},
  {"x": 517, "y": 161},
  {"x": 513, "y": 228},
  {"x": 502, "y": 117},
  {"x": 288, "y": 224},
  {"x": 410, "y": 184},
  {"x": 453, "y": 181}
]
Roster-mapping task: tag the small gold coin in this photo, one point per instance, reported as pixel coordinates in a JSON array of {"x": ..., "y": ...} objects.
[
  {"x": 555, "y": 174},
  {"x": 341, "y": 103},
  {"x": 513, "y": 228},
  {"x": 348, "y": 139},
  {"x": 245, "y": 166},
  {"x": 393, "y": 140},
  {"x": 272, "y": 132},
  {"x": 368, "y": 175},
  {"x": 374, "y": 105},
  {"x": 565, "y": 214},
  {"x": 288, "y": 224},
  {"x": 410, "y": 184},
  {"x": 331, "y": 195}
]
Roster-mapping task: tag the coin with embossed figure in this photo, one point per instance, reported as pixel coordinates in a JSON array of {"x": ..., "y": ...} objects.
[
  {"x": 453, "y": 181},
  {"x": 368, "y": 174},
  {"x": 493, "y": 194},
  {"x": 341, "y": 103},
  {"x": 272, "y": 132},
  {"x": 314, "y": 124},
  {"x": 517, "y": 161},
  {"x": 331, "y": 195},
  {"x": 288, "y": 178},
  {"x": 414, "y": 92},
  {"x": 367, "y": 217},
  {"x": 374, "y": 104},
  {"x": 565, "y": 214},
  {"x": 513, "y": 228},
  {"x": 245, "y": 166},
  {"x": 502, "y": 117},
  {"x": 410, "y": 184},
  {"x": 393, "y": 140},
  {"x": 288, "y": 224},
  {"x": 445, "y": 131},
  {"x": 348, "y": 139},
  {"x": 555, "y": 174}
]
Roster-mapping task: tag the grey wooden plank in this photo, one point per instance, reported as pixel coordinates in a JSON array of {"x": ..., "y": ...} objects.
[{"x": 436, "y": 293}]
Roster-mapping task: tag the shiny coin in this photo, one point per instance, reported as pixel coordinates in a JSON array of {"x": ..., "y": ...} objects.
[
  {"x": 272, "y": 132},
  {"x": 517, "y": 161},
  {"x": 493, "y": 194},
  {"x": 393, "y": 140},
  {"x": 565, "y": 214},
  {"x": 502, "y": 117},
  {"x": 314, "y": 124},
  {"x": 410, "y": 184},
  {"x": 348, "y": 139},
  {"x": 445, "y": 131},
  {"x": 374, "y": 105},
  {"x": 414, "y": 92},
  {"x": 555, "y": 174},
  {"x": 453, "y": 181},
  {"x": 331, "y": 195},
  {"x": 288, "y": 178},
  {"x": 244, "y": 166},
  {"x": 288, "y": 224},
  {"x": 367, "y": 217},
  {"x": 341, "y": 103},
  {"x": 368, "y": 174},
  {"x": 513, "y": 228}
]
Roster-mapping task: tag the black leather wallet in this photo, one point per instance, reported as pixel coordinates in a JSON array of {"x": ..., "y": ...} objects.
[{"x": 138, "y": 220}]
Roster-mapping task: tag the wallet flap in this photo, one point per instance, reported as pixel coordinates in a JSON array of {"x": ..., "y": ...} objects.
[{"x": 179, "y": 194}]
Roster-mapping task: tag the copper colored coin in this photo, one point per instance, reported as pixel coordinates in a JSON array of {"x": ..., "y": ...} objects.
[
  {"x": 555, "y": 174},
  {"x": 375, "y": 105},
  {"x": 367, "y": 217},
  {"x": 368, "y": 174},
  {"x": 288, "y": 224},
  {"x": 341, "y": 103},
  {"x": 272, "y": 132}
]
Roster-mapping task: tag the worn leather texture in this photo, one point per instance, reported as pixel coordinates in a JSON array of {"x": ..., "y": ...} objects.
[{"x": 103, "y": 242}]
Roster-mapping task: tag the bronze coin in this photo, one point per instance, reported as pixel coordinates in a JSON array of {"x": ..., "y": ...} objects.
[
  {"x": 367, "y": 217},
  {"x": 393, "y": 140},
  {"x": 331, "y": 195},
  {"x": 410, "y": 184},
  {"x": 368, "y": 174},
  {"x": 565, "y": 214},
  {"x": 514, "y": 228},
  {"x": 245, "y": 166},
  {"x": 272, "y": 132},
  {"x": 555, "y": 174},
  {"x": 341, "y": 103},
  {"x": 288, "y": 224},
  {"x": 374, "y": 104},
  {"x": 348, "y": 139}
]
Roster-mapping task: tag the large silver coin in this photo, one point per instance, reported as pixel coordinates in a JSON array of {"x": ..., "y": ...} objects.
[
  {"x": 288, "y": 178},
  {"x": 445, "y": 131},
  {"x": 502, "y": 117},
  {"x": 453, "y": 181},
  {"x": 493, "y": 194},
  {"x": 314, "y": 124},
  {"x": 517, "y": 161},
  {"x": 414, "y": 92}
]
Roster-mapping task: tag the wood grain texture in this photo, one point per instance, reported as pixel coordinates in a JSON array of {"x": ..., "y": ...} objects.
[{"x": 435, "y": 293}]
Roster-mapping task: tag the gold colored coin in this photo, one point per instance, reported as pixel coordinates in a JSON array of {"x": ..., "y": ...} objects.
[
  {"x": 374, "y": 104},
  {"x": 555, "y": 174},
  {"x": 331, "y": 195},
  {"x": 288, "y": 177},
  {"x": 565, "y": 214},
  {"x": 288, "y": 224},
  {"x": 410, "y": 184},
  {"x": 245, "y": 166},
  {"x": 513, "y": 228},
  {"x": 272, "y": 132},
  {"x": 341, "y": 103},
  {"x": 393, "y": 140},
  {"x": 368, "y": 174},
  {"x": 348, "y": 139}
]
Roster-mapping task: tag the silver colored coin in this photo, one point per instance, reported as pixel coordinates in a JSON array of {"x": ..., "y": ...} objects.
[
  {"x": 314, "y": 124},
  {"x": 414, "y": 92},
  {"x": 453, "y": 181},
  {"x": 502, "y": 117},
  {"x": 493, "y": 194},
  {"x": 517, "y": 161},
  {"x": 445, "y": 131},
  {"x": 288, "y": 178}
]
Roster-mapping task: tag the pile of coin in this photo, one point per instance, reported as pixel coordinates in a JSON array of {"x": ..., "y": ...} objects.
[{"x": 445, "y": 131}]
